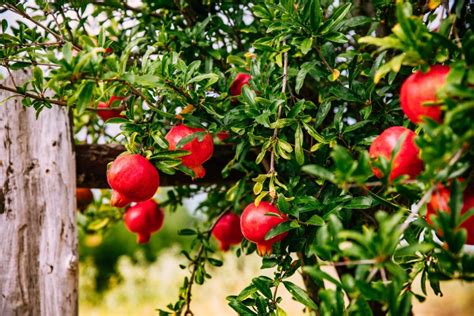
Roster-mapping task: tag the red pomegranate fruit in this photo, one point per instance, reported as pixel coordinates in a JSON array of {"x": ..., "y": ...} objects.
[
  {"x": 440, "y": 203},
  {"x": 133, "y": 177},
  {"x": 421, "y": 88},
  {"x": 199, "y": 172},
  {"x": 406, "y": 161},
  {"x": 255, "y": 223},
  {"x": 108, "y": 114},
  {"x": 84, "y": 197},
  {"x": 119, "y": 200},
  {"x": 223, "y": 135},
  {"x": 227, "y": 231},
  {"x": 240, "y": 80},
  {"x": 144, "y": 219},
  {"x": 200, "y": 151}
]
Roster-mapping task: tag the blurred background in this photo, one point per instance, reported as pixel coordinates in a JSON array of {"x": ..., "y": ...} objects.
[{"x": 120, "y": 277}]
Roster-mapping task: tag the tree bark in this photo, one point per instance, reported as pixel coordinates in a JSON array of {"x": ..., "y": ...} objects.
[{"x": 38, "y": 236}]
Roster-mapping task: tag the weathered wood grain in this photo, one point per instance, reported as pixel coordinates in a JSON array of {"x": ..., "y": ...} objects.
[{"x": 38, "y": 236}]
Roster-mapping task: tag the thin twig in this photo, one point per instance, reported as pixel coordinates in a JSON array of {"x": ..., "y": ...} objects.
[
  {"x": 280, "y": 109},
  {"x": 424, "y": 199},
  {"x": 188, "y": 311},
  {"x": 125, "y": 6},
  {"x": 56, "y": 22},
  {"x": 33, "y": 96},
  {"x": 45, "y": 44},
  {"x": 349, "y": 263},
  {"x": 23, "y": 14},
  {"x": 29, "y": 18}
]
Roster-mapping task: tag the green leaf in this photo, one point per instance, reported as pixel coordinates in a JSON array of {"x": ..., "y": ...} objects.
[
  {"x": 98, "y": 223},
  {"x": 257, "y": 188},
  {"x": 248, "y": 95},
  {"x": 215, "y": 262},
  {"x": 280, "y": 229},
  {"x": 306, "y": 45},
  {"x": 211, "y": 77},
  {"x": 315, "y": 220},
  {"x": 263, "y": 284},
  {"x": 38, "y": 77},
  {"x": 150, "y": 81},
  {"x": 85, "y": 96},
  {"x": 299, "y": 154},
  {"x": 187, "y": 232},
  {"x": 411, "y": 250},
  {"x": 240, "y": 307},
  {"x": 19, "y": 65},
  {"x": 313, "y": 133},
  {"x": 333, "y": 23},
  {"x": 314, "y": 12},
  {"x": 360, "y": 202},
  {"x": 189, "y": 138},
  {"x": 319, "y": 172},
  {"x": 283, "y": 205},
  {"x": 393, "y": 65},
  {"x": 300, "y": 295}
]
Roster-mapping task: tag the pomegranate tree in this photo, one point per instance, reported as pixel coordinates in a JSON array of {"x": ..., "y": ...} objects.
[
  {"x": 144, "y": 218},
  {"x": 199, "y": 151},
  {"x": 257, "y": 221},
  {"x": 420, "y": 89},
  {"x": 302, "y": 87},
  {"x": 227, "y": 231},
  {"x": 406, "y": 160},
  {"x": 133, "y": 178}
]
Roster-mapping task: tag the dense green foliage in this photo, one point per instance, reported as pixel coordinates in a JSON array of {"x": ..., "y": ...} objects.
[{"x": 326, "y": 78}]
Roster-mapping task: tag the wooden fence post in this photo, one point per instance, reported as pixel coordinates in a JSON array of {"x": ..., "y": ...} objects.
[{"x": 38, "y": 234}]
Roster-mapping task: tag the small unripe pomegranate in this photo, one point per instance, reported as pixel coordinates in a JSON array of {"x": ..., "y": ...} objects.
[
  {"x": 420, "y": 88},
  {"x": 440, "y": 203},
  {"x": 406, "y": 161},
  {"x": 227, "y": 231},
  {"x": 255, "y": 223},
  {"x": 84, "y": 197},
  {"x": 108, "y": 114},
  {"x": 200, "y": 151},
  {"x": 144, "y": 219},
  {"x": 118, "y": 200},
  {"x": 133, "y": 177},
  {"x": 240, "y": 80}
]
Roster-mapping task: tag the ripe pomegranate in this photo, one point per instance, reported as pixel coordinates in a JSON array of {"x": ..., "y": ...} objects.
[
  {"x": 84, "y": 197},
  {"x": 108, "y": 114},
  {"x": 200, "y": 152},
  {"x": 118, "y": 200},
  {"x": 199, "y": 172},
  {"x": 440, "y": 202},
  {"x": 133, "y": 177},
  {"x": 227, "y": 230},
  {"x": 144, "y": 218},
  {"x": 240, "y": 80},
  {"x": 223, "y": 135},
  {"x": 406, "y": 161},
  {"x": 420, "y": 88},
  {"x": 255, "y": 223}
]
